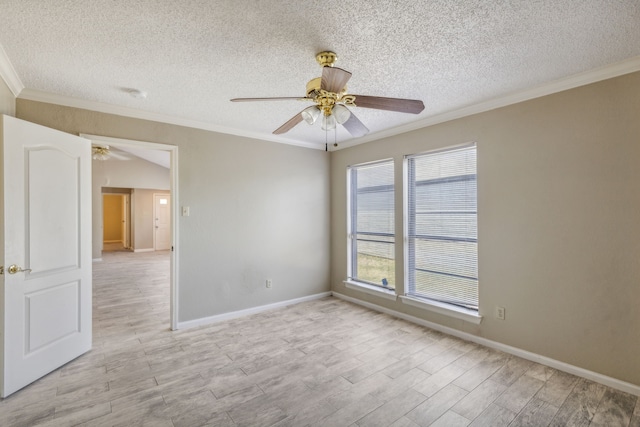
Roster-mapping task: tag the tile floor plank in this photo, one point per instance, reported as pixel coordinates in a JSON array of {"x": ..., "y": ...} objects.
[
  {"x": 615, "y": 409},
  {"x": 479, "y": 399},
  {"x": 494, "y": 416},
  {"x": 434, "y": 407},
  {"x": 519, "y": 393},
  {"x": 580, "y": 406},
  {"x": 536, "y": 413}
]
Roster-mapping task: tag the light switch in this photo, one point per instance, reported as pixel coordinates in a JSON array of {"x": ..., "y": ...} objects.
[{"x": 185, "y": 211}]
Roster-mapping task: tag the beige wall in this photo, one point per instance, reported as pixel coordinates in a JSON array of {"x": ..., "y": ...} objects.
[
  {"x": 558, "y": 217},
  {"x": 7, "y": 100},
  {"x": 258, "y": 210}
]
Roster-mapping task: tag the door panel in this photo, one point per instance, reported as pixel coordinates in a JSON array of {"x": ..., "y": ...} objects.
[
  {"x": 46, "y": 232},
  {"x": 52, "y": 315},
  {"x": 53, "y": 225}
]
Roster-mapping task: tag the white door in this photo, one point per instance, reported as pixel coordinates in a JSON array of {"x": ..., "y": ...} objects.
[
  {"x": 46, "y": 251},
  {"x": 162, "y": 217}
]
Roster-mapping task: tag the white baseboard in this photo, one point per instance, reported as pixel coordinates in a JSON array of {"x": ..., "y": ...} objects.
[
  {"x": 144, "y": 250},
  {"x": 543, "y": 360},
  {"x": 248, "y": 311},
  {"x": 97, "y": 260}
]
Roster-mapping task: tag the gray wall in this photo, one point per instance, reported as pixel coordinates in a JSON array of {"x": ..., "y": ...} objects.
[
  {"x": 558, "y": 220},
  {"x": 134, "y": 173},
  {"x": 7, "y": 100},
  {"x": 258, "y": 210}
]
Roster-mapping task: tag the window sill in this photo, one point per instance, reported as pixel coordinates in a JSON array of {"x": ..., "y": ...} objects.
[
  {"x": 371, "y": 290},
  {"x": 445, "y": 309}
]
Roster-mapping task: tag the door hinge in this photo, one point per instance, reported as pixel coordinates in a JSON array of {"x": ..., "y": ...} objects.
[{"x": 1, "y": 269}]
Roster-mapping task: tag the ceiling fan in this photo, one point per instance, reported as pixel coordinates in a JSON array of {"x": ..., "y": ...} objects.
[
  {"x": 104, "y": 152},
  {"x": 329, "y": 94}
]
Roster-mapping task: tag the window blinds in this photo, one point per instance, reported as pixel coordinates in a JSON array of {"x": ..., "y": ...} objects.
[
  {"x": 372, "y": 224},
  {"x": 442, "y": 227}
]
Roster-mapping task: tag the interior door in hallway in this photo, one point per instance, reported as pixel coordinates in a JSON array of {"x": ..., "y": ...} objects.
[
  {"x": 45, "y": 288},
  {"x": 162, "y": 221}
]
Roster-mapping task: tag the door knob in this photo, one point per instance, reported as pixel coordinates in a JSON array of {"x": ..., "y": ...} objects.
[{"x": 13, "y": 269}]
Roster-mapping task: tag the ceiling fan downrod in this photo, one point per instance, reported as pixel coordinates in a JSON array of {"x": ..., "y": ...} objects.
[{"x": 326, "y": 58}]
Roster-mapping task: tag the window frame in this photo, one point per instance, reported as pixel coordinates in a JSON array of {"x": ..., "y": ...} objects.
[
  {"x": 355, "y": 283},
  {"x": 452, "y": 310}
]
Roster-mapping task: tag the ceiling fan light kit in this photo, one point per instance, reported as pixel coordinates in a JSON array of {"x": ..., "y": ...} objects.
[
  {"x": 100, "y": 152},
  {"x": 329, "y": 94}
]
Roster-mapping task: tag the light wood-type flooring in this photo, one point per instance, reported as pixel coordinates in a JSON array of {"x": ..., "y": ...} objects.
[{"x": 321, "y": 363}]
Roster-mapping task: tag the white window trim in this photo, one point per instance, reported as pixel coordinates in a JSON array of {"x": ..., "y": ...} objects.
[
  {"x": 353, "y": 284},
  {"x": 378, "y": 291},
  {"x": 445, "y": 309},
  {"x": 450, "y": 310}
]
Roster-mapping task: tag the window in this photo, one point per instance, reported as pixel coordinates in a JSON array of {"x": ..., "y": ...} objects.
[
  {"x": 442, "y": 245},
  {"x": 372, "y": 224}
]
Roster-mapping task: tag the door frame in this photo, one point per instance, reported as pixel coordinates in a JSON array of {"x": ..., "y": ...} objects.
[
  {"x": 173, "y": 190},
  {"x": 126, "y": 199}
]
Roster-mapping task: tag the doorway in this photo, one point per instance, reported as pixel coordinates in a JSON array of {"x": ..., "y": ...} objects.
[
  {"x": 116, "y": 222},
  {"x": 150, "y": 152}
]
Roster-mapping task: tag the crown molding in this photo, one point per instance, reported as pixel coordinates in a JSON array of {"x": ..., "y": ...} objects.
[
  {"x": 9, "y": 75},
  {"x": 592, "y": 76},
  {"x": 627, "y": 66}
]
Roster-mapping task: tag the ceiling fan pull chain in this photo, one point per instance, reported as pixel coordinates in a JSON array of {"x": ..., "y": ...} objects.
[{"x": 326, "y": 141}]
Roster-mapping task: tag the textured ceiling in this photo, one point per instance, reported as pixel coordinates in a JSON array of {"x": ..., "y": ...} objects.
[{"x": 192, "y": 56}]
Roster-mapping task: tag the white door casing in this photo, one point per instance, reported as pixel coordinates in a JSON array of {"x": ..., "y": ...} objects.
[
  {"x": 126, "y": 232},
  {"x": 162, "y": 222},
  {"x": 46, "y": 231},
  {"x": 174, "y": 191}
]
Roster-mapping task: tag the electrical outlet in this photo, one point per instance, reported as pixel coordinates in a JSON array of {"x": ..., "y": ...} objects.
[
  {"x": 500, "y": 313},
  {"x": 269, "y": 283}
]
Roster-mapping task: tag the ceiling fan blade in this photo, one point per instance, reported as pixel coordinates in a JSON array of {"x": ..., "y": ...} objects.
[
  {"x": 289, "y": 124},
  {"x": 355, "y": 127},
  {"x": 334, "y": 79},
  {"x": 413, "y": 106},
  {"x": 119, "y": 156},
  {"x": 281, "y": 98}
]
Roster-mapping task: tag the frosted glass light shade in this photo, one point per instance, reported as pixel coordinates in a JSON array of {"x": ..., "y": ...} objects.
[
  {"x": 310, "y": 115},
  {"x": 341, "y": 113},
  {"x": 328, "y": 122}
]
